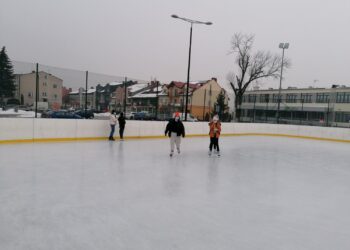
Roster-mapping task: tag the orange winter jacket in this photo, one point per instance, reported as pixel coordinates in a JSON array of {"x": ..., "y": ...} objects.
[{"x": 213, "y": 126}]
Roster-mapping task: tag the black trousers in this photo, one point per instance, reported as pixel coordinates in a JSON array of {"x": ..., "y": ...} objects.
[
  {"x": 121, "y": 132},
  {"x": 214, "y": 142}
]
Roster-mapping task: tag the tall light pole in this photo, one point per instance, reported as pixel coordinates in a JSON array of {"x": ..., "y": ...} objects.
[
  {"x": 189, "y": 54},
  {"x": 282, "y": 46}
]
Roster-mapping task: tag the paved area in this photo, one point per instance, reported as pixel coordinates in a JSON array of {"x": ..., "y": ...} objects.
[{"x": 262, "y": 193}]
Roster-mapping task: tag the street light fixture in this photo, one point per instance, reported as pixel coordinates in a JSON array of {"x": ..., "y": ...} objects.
[
  {"x": 282, "y": 46},
  {"x": 189, "y": 54}
]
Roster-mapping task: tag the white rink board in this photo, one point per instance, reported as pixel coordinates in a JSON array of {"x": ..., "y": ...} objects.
[{"x": 24, "y": 129}]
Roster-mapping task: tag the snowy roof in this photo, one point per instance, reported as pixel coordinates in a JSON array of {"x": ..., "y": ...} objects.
[
  {"x": 90, "y": 91},
  {"x": 137, "y": 87},
  {"x": 145, "y": 95},
  {"x": 115, "y": 83}
]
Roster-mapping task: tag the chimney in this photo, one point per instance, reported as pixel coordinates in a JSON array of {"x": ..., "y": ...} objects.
[{"x": 214, "y": 79}]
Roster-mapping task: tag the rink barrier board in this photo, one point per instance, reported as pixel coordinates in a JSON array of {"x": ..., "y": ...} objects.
[
  {"x": 46, "y": 140},
  {"x": 21, "y": 130}
]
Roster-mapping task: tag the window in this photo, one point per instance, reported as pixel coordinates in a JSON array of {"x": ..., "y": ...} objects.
[
  {"x": 342, "y": 117},
  {"x": 55, "y": 86},
  {"x": 322, "y": 98},
  {"x": 55, "y": 96},
  {"x": 306, "y": 98},
  {"x": 264, "y": 98},
  {"x": 244, "y": 98},
  {"x": 43, "y": 94},
  {"x": 251, "y": 98},
  {"x": 44, "y": 83},
  {"x": 343, "y": 97},
  {"x": 275, "y": 98},
  {"x": 291, "y": 98}
]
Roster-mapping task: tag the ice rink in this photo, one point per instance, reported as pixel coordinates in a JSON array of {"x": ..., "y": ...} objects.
[{"x": 262, "y": 193}]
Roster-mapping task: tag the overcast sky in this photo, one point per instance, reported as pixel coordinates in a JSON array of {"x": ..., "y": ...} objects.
[{"x": 137, "y": 38}]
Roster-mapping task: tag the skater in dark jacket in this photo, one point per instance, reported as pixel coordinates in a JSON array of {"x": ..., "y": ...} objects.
[
  {"x": 214, "y": 133},
  {"x": 175, "y": 129},
  {"x": 121, "y": 121}
]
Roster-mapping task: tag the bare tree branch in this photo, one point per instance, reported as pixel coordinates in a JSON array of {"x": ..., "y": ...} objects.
[{"x": 251, "y": 67}]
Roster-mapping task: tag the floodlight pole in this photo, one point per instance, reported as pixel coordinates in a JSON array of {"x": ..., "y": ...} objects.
[
  {"x": 282, "y": 46},
  {"x": 189, "y": 55}
]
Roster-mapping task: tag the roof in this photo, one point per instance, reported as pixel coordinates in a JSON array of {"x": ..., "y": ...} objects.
[
  {"x": 145, "y": 95},
  {"x": 90, "y": 91},
  {"x": 150, "y": 93},
  {"x": 137, "y": 87},
  {"x": 41, "y": 72},
  {"x": 193, "y": 85},
  {"x": 115, "y": 83}
]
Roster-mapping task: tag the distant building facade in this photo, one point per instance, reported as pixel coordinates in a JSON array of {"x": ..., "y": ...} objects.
[
  {"x": 309, "y": 106},
  {"x": 49, "y": 89},
  {"x": 77, "y": 99},
  {"x": 204, "y": 99}
]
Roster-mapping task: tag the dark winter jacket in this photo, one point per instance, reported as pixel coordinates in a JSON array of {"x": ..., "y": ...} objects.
[
  {"x": 176, "y": 127},
  {"x": 121, "y": 121}
]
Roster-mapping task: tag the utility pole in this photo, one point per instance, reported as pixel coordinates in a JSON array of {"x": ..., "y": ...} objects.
[
  {"x": 86, "y": 90},
  {"x": 205, "y": 95},
  {"x": 209, "y": 101},
  {"x": 125, "y": 96},
  {"x": 36, "y": 89},
  {"x": 282, "y": 46},
  {"x": 157, "y": 99}
]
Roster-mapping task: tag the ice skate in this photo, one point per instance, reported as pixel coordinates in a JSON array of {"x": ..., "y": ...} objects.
[
  {"x": 171, "y": 153},
  {"x": 178, "y": 151},
  {"x": 209, "y": 152},
  {"x": 218, "y": 153}
]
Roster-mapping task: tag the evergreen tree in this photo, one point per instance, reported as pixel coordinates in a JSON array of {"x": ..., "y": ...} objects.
[
  {"x": 7, "y": 78},
  {"x": 221, "y": 107}
]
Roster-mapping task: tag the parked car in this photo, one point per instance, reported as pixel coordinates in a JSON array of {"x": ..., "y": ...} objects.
[
  {"x": 164, "y": 117},
  {"x": 62, "y": 114},
  {"x": 89, "y": 114},
  {"x": 130, "y": 116},
  {"x": 46, "y": 113},
  {"x": 144, "y": 115},
  {"x": 190, "y": 118}
]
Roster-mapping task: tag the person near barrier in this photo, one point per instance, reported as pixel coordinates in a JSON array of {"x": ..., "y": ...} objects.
[
  {"x": 214, "y": 133},
  {"x": 112, "y": 123},
  {"x": 175, "y": 129},
  {"x": 121, "y": 121}
]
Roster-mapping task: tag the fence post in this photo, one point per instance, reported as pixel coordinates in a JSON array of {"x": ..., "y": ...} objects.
[
  {"x": 205, "y": 95},
  {"x": 36, "y": 89},
  {"x": 86, "y": 90},
  {"x": 157, "y": 100},
  {"x": 125, "y": 95},
  {"x": 302, "y": 110},
  {"x": 254, "y": 109},
  {"x": 327, "y": 123}
]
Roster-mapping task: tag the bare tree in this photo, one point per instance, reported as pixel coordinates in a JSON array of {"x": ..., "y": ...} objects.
[{"x": 250, "y": 67}]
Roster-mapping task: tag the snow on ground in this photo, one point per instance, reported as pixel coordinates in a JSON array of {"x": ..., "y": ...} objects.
[
  {"x": 262, "y": 193},
  {"x": 102, "y": 116},
  {"x": 19, "y": 113}
]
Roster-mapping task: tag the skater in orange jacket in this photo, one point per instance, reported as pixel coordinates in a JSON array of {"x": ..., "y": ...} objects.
[{"x": 214, "y": 133}]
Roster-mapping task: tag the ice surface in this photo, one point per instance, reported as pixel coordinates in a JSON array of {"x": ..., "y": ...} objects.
[{"x": 263, "y": 193}]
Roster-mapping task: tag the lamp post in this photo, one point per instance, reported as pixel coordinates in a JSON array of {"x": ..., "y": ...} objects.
[
  {"x": 282, "y": 46},
  {"x": 189, "y": 54}
]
